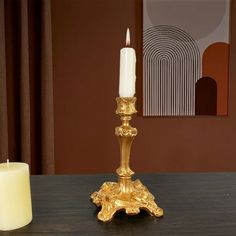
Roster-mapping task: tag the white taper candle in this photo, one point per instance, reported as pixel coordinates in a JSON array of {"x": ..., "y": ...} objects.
[{"x": 127, "y": 69}]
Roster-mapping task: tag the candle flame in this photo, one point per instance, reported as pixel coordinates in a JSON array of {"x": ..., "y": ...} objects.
[
  {"x": 127, "y": 37},
  {"x": 7, "y": 163}
]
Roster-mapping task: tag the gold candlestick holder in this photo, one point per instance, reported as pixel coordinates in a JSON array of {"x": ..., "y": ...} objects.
[{"x": 127, "y": 195}]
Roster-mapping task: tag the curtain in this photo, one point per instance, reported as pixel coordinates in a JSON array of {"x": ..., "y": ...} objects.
[{"x": 26, "y": 84}]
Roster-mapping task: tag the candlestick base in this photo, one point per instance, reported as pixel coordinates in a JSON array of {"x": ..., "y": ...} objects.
[{"x": 112, "y": 199}]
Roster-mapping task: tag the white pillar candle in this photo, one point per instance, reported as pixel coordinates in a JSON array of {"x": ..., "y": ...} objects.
[
  {"x": 127, "y": 69},
  {"x": 15, "y": 196}
]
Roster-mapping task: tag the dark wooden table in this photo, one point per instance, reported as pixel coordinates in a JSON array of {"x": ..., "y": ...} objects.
[{"x": 195, "y": 204}]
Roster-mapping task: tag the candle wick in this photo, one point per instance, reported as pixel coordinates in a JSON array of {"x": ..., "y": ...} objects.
[
  {"x": 7, "y": 163},
  {"x": 127, "y": 37}
]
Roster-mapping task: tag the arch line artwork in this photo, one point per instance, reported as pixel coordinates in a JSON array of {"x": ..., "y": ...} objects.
[{"x": 171, "y": 67}]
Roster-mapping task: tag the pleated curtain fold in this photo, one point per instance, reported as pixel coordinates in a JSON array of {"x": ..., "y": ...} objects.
[{"x": 26, "y": 84}]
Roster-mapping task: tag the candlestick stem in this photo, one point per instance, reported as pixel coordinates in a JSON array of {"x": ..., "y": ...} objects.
[{"x": 127, "y": 195}]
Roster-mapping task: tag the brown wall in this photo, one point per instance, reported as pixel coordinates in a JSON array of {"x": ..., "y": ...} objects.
[{"x": 87, "y": 37}]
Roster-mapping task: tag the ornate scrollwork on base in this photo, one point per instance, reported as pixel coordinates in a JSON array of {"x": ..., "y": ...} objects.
[{"x": 112, "y": 200}]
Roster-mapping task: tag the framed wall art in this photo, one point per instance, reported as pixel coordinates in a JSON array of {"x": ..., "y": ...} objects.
[{"x": 186, "y": 57}]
